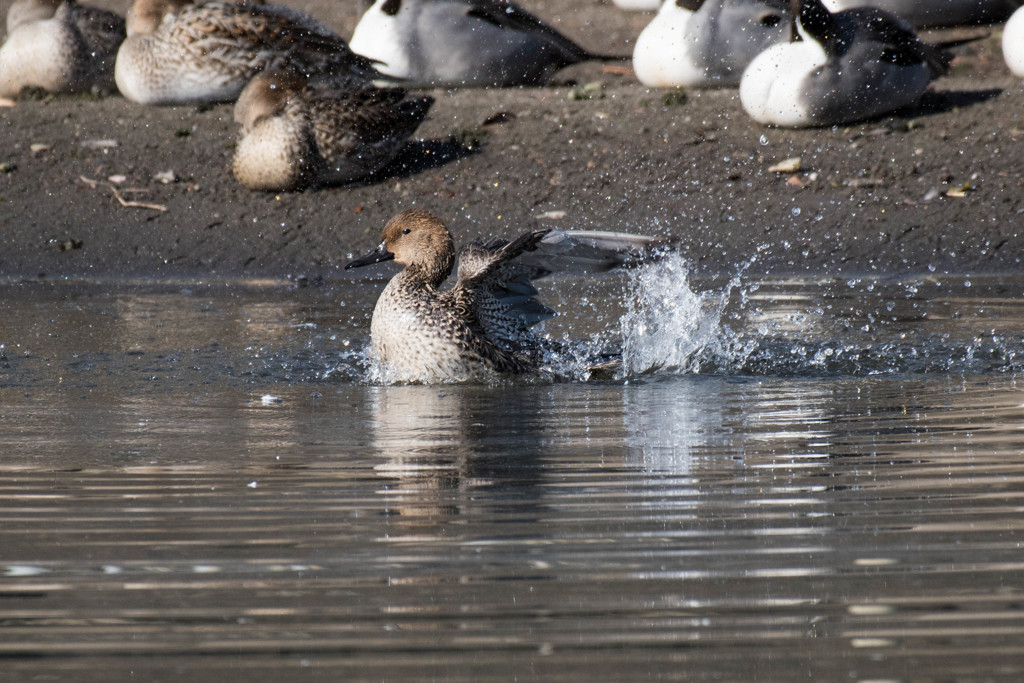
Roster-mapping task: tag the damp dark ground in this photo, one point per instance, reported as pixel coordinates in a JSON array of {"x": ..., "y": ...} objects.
[{"x": 940, "y": 184}]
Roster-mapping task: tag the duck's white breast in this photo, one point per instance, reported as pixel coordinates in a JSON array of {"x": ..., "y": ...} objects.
[
  {"x": 638, "y": 5},
  {"x": 1013, "y": 43},
  {"x": 42, "y": 54},
  {"x": 772, "y": 89},
  {"x": 272, "y": 156},
  {"x": 387, "y": 40},
  {"x": 661, "y": 58}
]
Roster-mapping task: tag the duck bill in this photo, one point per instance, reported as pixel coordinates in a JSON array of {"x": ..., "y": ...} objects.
[{"x": 376, "y": 256}]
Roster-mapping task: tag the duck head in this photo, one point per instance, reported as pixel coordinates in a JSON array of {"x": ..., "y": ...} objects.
[
  {"x": 266, "y": 95},
  {"x": 418, "y": 240},
  {"x": 26, "y": 11},
  {"x": 144, "y": 16},
  {"x": 813, "y": 21}
]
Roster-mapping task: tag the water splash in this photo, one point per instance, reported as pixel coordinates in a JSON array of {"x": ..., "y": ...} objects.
[{"x": 670, "y": 328}]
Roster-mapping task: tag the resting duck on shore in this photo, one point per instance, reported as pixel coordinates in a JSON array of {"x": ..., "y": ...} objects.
[
  {"x": 59, "y": 45},
  {"x": 298, "y": 134},
  {"x": 637, "y": 5},
  {"x": 707, "y": 43},
  {"x": 478, "y": 43},
  {"x": 932, "y": 13},
  {"x": 178, "y": 52},
  {"x": 480, "y": 328},
  {"x": 1013, "y": 43},
  {"x": 848, "y": 66}
]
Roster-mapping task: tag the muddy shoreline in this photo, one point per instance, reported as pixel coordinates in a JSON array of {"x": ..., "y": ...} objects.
[{"x": 939, "y": 188}]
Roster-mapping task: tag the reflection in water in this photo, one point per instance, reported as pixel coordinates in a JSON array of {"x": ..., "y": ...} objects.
[
  {"x": 822, "y": 520},
  {"x": 440, "y": 443},
  {"x": 668, "y": 425}
]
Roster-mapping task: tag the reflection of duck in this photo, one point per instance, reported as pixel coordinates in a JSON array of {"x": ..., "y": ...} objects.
[
  {"x": 481, "y": 326},
  {"x": 297, "y": 133},
  {"x": 922, "y": 13},
  {"x": 1013, "y": 43},
  {"x": 177, "y": 52},
  {"x": 442, "y": 447},
  {"x": 462, "y": 42},
  {"x": 848, "y": 66},
  {"x": 60, "y": 46},
  {"x": 698, "y": 43}
]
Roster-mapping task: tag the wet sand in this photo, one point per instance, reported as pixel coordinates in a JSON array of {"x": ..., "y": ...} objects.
[{"x": 939, "y": 187}]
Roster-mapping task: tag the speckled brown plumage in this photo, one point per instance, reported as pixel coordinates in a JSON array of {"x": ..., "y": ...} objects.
[
  {"x": 298, "y": 133},
  {"x": 179, "y": 52},
  {"x": 423, "y": 334}
]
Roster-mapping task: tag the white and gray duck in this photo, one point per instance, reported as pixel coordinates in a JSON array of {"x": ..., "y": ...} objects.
[
  {"x": 838, "y": 68},
  {"x": 933, "y": 13},
  {"x": 707, "y": 43},
  {"x": 477, "y": 43}
]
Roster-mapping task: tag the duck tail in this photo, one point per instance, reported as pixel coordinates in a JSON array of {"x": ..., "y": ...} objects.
[
  {"x": 602, "y": 57},
  {"x": 938, "y": 55},
  {"x": 415, "y": 110}
]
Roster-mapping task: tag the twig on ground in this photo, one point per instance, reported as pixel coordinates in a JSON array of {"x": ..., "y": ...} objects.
[{"x": 93, "y": 184}]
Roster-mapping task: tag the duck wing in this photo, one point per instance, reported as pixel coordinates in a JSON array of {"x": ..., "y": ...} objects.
[
  {"x": 509, "y": 16},
  {"x": 265, "y": 36},
  {"x": 593, "y": 251},
  {"x": 364, "y": 116},
  {"x": 898, "y": 41},
  {"x": 496, "y": 293}
]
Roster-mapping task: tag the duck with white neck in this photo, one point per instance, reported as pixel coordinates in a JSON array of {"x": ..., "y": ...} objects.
[
  {"x": 839, "y": 68},
  {"x": 707, "y": 43}
]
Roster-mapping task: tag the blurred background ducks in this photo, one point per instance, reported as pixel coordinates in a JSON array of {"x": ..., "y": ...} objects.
[
  {"x": 1013, "y": 43},
  {"x": 59, "y": 46},
  {"x": 298, "y": 132},
  {"x": 178, "y": 52},
  {"x": 848, "y": 66},
  {"x": 463, "y": 43},
  {"x": 637, "y": 5},
  {"x": 930, "y": 13},
  {"x": 707, "y": 43}
]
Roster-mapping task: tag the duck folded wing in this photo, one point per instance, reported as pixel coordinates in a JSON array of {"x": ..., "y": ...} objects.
[
  {"x": 267, "y": 31},
  {"x": 506, "y": 15},
  {"x": 897, "y": 40}
]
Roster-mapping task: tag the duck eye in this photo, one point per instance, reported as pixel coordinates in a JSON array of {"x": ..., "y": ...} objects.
[
  {"x": 406, "y": 231},
  {"x": 771, "y": 20}
]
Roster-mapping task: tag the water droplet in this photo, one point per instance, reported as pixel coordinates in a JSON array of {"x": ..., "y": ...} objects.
[
  {"x": 796, "y": 211},
  {"x": 764, "y": 140}
]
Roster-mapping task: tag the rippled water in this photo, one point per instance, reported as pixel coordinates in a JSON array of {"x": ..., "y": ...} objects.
[{"x": 791, "y": 480}]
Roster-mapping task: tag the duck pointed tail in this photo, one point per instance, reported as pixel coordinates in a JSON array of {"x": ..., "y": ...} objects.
[{"x": 938, "y": 56}]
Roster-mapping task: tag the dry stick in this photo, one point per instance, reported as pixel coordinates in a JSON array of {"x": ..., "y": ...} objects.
[
  {"x": 620, "y": 70},
  {"x": 140, "y": 205},
  {"x": 121, "y": 200}
]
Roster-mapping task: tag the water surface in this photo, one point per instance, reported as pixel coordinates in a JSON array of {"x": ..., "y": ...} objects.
[{"x": 792, "y": 480}]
